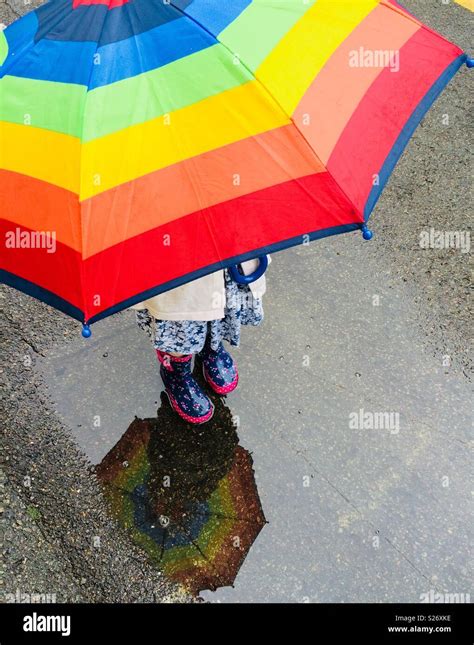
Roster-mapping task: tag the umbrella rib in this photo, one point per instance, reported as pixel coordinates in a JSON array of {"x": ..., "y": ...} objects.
[
  {"x": 232, "y": 517},
  {"x": 188, "y": 535},
  {"x": 163, "y": 540},
  {"x": 122, "y": 490},
  {"x": 83, "y": 120},
  {"x": 198, "y": 548},
  {"x": 165, "y": 532}
]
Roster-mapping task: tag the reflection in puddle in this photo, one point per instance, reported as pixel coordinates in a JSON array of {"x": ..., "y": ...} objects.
[{"x": 186, "y": 495}]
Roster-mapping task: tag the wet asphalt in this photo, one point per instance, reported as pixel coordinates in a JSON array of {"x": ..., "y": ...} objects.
[{"x": 353, "y": 514}]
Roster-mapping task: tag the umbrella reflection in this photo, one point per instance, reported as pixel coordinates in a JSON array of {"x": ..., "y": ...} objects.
[{"x": 186, "y": 495}]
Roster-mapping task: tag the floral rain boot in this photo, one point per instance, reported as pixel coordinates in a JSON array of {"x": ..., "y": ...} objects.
[
  {"x": 185, "y": 395},
  {"x": 219, "y": 369}
]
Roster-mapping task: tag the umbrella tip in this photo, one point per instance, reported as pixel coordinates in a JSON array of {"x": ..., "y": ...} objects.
[
  {"x": 86, "y": 331},
  {"x": 367, "y": 234},
  {"x": 470, "y": 62}
]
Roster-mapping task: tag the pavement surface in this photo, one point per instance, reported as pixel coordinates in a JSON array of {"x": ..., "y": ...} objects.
[{"x": 354, "y": 513}]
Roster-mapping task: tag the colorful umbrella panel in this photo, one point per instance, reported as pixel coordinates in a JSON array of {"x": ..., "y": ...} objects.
[{"x": 145, "y": 144}]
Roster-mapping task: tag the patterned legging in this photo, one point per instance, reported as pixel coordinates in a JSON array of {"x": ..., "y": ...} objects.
[{"x": 189, "y": 336}]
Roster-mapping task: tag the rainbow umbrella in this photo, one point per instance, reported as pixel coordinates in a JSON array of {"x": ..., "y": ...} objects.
[
  {"x": 147, "y": 143},
  {"x": 188, "y": 500}
]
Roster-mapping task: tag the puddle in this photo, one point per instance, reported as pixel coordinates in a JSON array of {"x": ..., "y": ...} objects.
[{"x": 186, "y": 495}]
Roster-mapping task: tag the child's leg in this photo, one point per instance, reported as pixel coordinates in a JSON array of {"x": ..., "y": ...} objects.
[
  {"x": 185, "y": 394},
  {"x": 219, "y": 368}
]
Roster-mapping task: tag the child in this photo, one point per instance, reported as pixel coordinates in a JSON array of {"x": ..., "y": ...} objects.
[{"x": 194, "y": 319}]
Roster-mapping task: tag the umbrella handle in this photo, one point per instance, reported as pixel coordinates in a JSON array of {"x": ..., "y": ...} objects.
[{"x": 240, "y": 278}]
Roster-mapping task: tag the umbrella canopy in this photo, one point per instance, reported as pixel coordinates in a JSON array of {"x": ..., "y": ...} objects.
[
  {"x": 145, "y": 144},
  {"x": 188, "y": 499}
]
